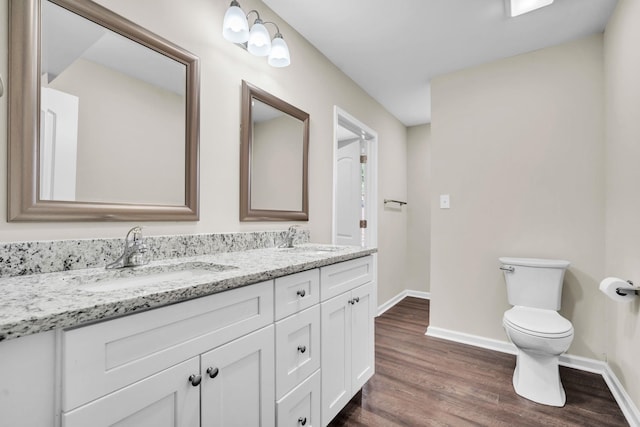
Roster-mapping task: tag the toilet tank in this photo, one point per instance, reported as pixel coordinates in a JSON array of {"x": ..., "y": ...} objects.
[{"x": 533, "y": 282}]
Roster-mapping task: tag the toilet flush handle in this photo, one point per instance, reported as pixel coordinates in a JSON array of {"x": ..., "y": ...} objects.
[{"x": 508, "y": 268}]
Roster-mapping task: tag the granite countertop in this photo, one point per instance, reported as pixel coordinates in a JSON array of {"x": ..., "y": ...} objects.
[{"x": 43, "y": 302}]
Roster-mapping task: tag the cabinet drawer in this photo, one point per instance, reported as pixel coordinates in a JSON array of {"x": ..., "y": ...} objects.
[
  {"x": 164, "y": 399},
  {"x": 301, "y": 405},
  {"x": 107, "y": 356},
  {"x": 338, "y": 278},
  {"x": 297, "y": 349},
  {"x": 296, "y": 292}
]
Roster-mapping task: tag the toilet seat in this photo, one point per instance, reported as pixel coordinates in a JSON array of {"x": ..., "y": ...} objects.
[{"x": 538, "y": 322}]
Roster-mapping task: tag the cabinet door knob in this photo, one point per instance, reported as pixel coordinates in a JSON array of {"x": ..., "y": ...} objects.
[
  {"x": 195, "y": 380},
  {"x": 301, "y": 293},
  {"x": 302, "y": 420},
  {"x": 213, "y": 372},
  {"x": 302, "y": 349},
  {"x": 357, "y": 299},
  {"x": 351, "y": 301}
]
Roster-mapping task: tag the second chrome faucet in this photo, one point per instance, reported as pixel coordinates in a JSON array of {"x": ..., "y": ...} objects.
[{"x": 135, "y": 251}]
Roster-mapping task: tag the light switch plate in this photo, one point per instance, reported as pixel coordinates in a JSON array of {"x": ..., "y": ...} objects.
[{"x": 444, "y": 201}]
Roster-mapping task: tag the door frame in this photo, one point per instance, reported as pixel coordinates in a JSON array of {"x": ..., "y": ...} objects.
[{"x": 371, "y": 196}]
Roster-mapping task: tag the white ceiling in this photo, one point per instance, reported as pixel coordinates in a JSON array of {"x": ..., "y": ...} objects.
[{"x": 393, "y": 49}]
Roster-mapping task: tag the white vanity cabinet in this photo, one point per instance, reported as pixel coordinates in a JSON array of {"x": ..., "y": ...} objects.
[
  {"x": 347, "y": 312},
  {"x": 154, "y": 368},
  {"x": 288, "y": 352}
]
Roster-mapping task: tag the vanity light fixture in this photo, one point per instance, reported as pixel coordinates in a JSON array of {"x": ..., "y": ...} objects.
[
  {"x": 519, "y": 7},
  {"x": 256, "y": 39}
]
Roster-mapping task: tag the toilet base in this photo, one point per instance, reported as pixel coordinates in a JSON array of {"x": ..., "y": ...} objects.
[{"x": 537, "y": 378}]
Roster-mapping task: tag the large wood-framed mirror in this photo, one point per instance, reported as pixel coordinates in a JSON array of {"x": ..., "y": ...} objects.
[
  {"x": 274, "y": 158},
  {"x": 103, "y": 117}
]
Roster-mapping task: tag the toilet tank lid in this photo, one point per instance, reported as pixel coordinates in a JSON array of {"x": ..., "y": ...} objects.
[{"x": 535, "y": 262}]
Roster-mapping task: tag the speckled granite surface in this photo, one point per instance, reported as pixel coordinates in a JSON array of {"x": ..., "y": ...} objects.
[
  {"x": 41, "y": 302},
  {"x": 24, "y": 258}
]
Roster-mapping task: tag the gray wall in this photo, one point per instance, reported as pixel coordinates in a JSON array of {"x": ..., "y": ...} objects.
[{"x": 519, "y": 144}]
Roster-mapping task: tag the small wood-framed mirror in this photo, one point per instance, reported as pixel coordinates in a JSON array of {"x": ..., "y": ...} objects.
[
  {"x": 274, "y": 158},
  {"x": 103, "y": 117}
]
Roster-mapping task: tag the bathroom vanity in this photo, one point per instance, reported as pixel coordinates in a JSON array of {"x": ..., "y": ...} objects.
[{"x": 285, "y": 336}]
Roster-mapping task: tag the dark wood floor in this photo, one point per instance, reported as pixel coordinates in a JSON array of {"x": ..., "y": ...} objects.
[{"x": 425, "y": 381}]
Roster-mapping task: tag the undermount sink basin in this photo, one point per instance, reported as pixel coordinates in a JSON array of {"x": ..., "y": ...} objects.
[
  {"x": 125, "y": 278},
  {"x": 311, "y": 249}
]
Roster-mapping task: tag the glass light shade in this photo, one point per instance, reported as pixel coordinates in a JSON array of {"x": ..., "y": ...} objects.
[
  {"x": 259, "y": 43},
  {"x": 279, "y": 55},
  {"x": 235, "y": 27}
]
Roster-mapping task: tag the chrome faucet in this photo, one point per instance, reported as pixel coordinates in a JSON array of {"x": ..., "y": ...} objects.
[
  {"x": 135, "y": 251},
  {"x": 291, "y": 234}
]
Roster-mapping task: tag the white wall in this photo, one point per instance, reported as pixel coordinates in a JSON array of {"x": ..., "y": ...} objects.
[
  {"x": 518, "y": 144},
  {"x": 311, "y": 83},
  {"x": 418, "y": 207},
  {"x": 622, "y": 85}
]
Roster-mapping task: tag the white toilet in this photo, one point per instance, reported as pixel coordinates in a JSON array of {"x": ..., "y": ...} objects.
[{"x": 541, "y": 335}]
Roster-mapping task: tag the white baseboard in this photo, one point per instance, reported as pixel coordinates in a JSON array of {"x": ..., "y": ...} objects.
[
  {"x": 402, "y": 295},
  {"x": 474, "y": 340},
  {"x": 629, "y": 409}
]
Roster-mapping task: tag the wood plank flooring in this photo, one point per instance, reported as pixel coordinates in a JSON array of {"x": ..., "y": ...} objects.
[{"x": 425, "y": 381}]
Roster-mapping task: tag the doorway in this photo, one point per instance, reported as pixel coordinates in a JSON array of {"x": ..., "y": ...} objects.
[{"x": 355, "y": 216}]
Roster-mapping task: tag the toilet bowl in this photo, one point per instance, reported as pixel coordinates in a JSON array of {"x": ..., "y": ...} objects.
[
  {"x": 533, "y": 325},
  {"x": 540, "y": 336}
]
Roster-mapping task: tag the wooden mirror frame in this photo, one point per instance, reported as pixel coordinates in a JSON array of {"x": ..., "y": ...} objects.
[
  {"x": 24, "y": 203},
  {"x": 250, "y": 92}
]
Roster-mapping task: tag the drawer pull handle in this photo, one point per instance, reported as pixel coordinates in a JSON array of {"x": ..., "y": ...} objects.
[
  {"x": 302, "y": 421},
  {"x": 302, "y": 349},
  {"x": 213, "y": 372},
  {"x": 301, "y": 293},
  {"x": 195, "y": 380}
]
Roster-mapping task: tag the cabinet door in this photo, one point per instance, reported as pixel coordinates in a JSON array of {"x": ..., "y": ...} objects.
[
  {"x": 335, "y": 348},
  {"x": 166, "y": 399},
  {"x": 238, "y": 382},
  {"x": 362, "y": 336}
]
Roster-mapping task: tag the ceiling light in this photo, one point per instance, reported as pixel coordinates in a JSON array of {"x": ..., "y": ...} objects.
[
  {"x": 235, "y": 28},
  {"x": 519, "y": 7}
]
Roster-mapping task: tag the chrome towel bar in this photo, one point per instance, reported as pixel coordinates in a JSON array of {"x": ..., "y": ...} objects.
[{"x": 394, "y": 201}]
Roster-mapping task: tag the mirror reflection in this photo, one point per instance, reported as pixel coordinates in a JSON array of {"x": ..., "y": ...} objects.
[
  {"x": 112, "y": 116},
  {"x": 274, "y": 158}
]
